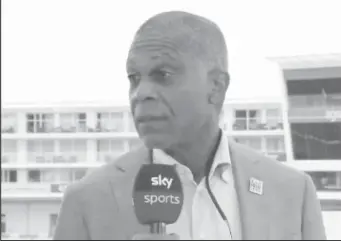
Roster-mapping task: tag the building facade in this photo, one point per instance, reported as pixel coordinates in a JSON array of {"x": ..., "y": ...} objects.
[
  {"x": 312, "y": 91},
  {"x": 46, "y": 148}
]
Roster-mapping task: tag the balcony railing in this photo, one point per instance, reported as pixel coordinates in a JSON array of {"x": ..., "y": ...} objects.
[
  {"x": 243, "y": 124},
  {"x": 32, "y": 189},
  {"x": 103, "y": 126},
  {"x": 99, "y": 128},
  {"x": 58, "y": 129},
  {"x": 53, "y": 158},
  {"x": 8, "y": 130},
  {"x": 314, "y": 113},
  {"x": 17, "y": 188},
  {"x": 319, "y": 101}
]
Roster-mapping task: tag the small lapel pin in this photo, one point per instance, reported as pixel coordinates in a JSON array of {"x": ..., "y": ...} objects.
[{"x": 256, "y": 186}]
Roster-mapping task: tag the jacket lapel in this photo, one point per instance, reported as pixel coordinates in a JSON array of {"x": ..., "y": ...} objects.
[
  {"x": 122, "y": 188},
  {"x": 253, "y": 207}
]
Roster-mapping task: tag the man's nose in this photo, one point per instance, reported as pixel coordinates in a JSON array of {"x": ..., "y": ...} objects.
[{"x": 144, "y": 91}]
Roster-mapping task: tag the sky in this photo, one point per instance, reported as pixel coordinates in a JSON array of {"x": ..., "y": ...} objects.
[{"x": 75, "y": 50}]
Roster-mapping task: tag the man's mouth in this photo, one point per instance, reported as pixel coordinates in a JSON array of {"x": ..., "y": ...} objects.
[{"x": 145, "y": 119}]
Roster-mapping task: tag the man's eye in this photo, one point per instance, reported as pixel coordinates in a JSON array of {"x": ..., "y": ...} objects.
[
  {"x": 134, "y": 78},
  {"x": 161, "y": 75}
]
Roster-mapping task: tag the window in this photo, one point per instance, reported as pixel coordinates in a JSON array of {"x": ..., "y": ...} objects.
[
  {"x": 34, "y": 176},
  {"x": 110, "y": 121},
  {"x": 56, "y": 176},
  {"x": 65, "y": 176},
  {"x": 8, "y": 151},
  {"x": 9, "y": 176},
  {"x": 72, "y": 150},
  {"x": 326, "y": 181},
  {"x": 241, "y": 121},
  {"x": 8, "y": 146},
  {"x": 108, "y": 150},
  {"x": 81, "y": 122},
  {"x": 275, "y": 144},
  {"x": 3, "y": 223},
  {"x": 274, "y": 119},
  {"x": 110, "y": 146},
  {"x": 66, "y": 122},
  {"x": 72, "y": 146},
  {"x": 275, "y": 148},
  {"x": 254, "y": 119},
  {"x": 247, "y": 120},
  {"x": 40, "y": 122},
  {"x": 316, "y": 141},
  {"x": 73, "y": 122},
  {"x": 41, "y": 151},
  {"x": 40, "y": 146},
  {"x": 49, "y": 176},
  {"x": 8, "y": 123}
]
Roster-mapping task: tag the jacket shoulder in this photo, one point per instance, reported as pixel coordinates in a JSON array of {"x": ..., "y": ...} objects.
[
  {"x": 276, "y": 170},
  {"x": 99, "y": 176}
]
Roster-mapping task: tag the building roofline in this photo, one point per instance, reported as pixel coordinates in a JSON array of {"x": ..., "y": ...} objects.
[
  {"x": 307, "y": 61},
  {"x": 114, "y": 104}
]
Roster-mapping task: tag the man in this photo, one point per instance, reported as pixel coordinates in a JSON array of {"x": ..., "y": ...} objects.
[{"x": 177, "y": 67}]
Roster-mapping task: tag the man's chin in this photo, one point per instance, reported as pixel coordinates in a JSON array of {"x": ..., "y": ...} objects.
[{"x": 153, "y": 141}]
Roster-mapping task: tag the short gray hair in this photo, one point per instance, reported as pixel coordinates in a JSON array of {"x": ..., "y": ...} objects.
[{"x": 194, "y": 34}]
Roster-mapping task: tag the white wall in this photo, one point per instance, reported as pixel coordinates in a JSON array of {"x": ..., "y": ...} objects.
[
  {"x": 332, "y": 222},
  {"x": 29, "y": 217}
]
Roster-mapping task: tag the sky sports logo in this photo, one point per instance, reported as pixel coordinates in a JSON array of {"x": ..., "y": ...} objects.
[{"x": 163, "y": 197}]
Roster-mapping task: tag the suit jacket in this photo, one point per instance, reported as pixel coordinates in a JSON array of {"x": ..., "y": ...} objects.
[{"x": 100, "y": 205}]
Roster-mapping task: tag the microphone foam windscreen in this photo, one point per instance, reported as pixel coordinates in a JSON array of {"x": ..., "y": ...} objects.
[{"x": 157, "y": 194}]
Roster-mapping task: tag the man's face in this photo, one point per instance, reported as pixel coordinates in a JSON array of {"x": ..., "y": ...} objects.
[{"x": 168, "y": 92}]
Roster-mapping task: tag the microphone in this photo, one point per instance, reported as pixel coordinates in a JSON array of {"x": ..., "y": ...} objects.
[{"x": 157, "y": 196}]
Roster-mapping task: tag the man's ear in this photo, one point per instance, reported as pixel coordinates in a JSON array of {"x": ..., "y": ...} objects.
[{"x": 219, "y": 83}]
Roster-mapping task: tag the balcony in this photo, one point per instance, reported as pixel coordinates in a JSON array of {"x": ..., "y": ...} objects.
[
  {"x": 8, "y": 158},
  {"x": 71, "y": 133},
  {"x": 314, "y": 114},
  {"x": 242, "y": 124},
  {"x": 322, "y": 100},
  {"x": 32, "y": 191},
  {"x": 247, "y": 127},
  {"x": 81, "y": 128},
  {"x": 8, "y": 130},
  {"x": 56, "y": 159},
  {"x": 104, "y": 126}
]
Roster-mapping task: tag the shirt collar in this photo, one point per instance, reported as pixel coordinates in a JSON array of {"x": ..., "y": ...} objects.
[{"x": 221, "y": 164}]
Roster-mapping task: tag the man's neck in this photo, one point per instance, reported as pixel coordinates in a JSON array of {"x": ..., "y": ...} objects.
[{"x": 195, "y": 154}]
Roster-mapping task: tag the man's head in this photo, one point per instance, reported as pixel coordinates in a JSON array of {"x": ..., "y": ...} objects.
[{"x": 177, "y": 67}]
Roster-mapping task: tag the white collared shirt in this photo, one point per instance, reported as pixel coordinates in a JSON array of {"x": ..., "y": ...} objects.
[{"x": 200, "y": 218}]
